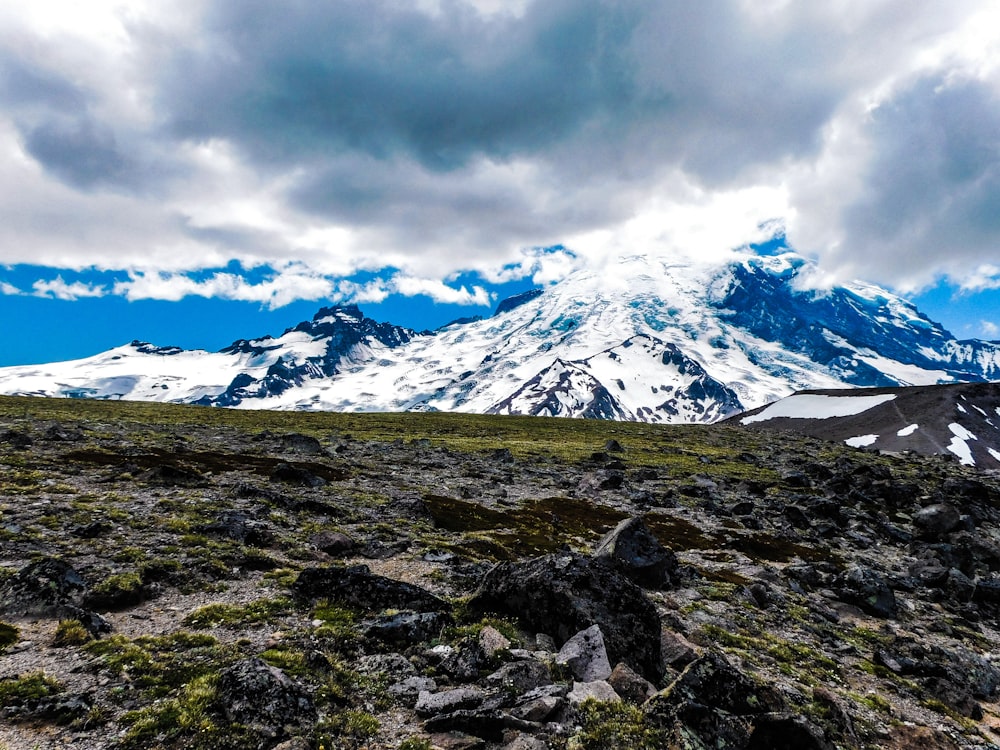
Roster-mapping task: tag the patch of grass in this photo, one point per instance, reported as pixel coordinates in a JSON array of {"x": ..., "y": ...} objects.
[
  {"x": 28, "y": 687},
  {"x": 71, "y": 633},
  {"x": 610, "y": 726},
  {"x": 9, "y": 635},
  {"x": 118, "y": 590},
  {"x": 238, "y": 615},
  {"x": 347, "y": 729},
  {"x": 188, "y": 718},
  {"x": 796, "y": 659},
  {"x": 162, "y": 663}
]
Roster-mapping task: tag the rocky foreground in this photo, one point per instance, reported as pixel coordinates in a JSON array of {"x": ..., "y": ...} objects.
[{"x": 176, "y": 577}]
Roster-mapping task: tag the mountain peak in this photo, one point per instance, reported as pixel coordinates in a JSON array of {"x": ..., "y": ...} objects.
[{"x": 650, "y": 339}]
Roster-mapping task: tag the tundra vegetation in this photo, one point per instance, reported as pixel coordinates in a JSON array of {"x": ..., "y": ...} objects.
[{"x": 188, "y": 577}]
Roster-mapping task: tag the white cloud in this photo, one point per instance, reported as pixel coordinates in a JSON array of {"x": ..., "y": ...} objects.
[
  {"x": 9, "y": 289},
  {"x": 164, "y": 140},
  {"x": 990, "y": 329},
  {"x": 59, "y": 289}
]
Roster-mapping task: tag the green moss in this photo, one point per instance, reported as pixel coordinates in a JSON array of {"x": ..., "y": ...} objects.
[
  {"x": 415, "y": 743},
  {"x": 347, "y": 729},
  {"x": 8, "y": 635},
  {"x": 71, "y": 633},
  {"x": 118, "y": 590},
  {"x": 610, "y": 726},
  {"x": 162, "y": 663},
  {"x": 28, "y": 687},
  {"x": 234, "y": 615}
]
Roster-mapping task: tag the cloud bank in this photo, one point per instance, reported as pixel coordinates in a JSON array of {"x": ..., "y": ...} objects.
[{"x": 435, "y": 138}]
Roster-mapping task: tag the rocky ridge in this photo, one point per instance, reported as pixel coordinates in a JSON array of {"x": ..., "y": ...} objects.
[{"x": 179, "y": 577}]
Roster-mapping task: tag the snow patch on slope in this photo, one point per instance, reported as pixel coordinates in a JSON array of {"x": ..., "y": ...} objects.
[{"x": 817, "y": 406}]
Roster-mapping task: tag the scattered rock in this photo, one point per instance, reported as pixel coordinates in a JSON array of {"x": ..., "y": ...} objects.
[
  {"x": 492, "y": 641},
  {"x": 291, "y": 474},
  {"x": 566, "y": 593},
  {"x": 44, "y": 587},
  {"x": 519, "y": 677},
  {"x": 635, "y": 551},
  {"x": 586, "y": 655},
  {"x": 263, "y": 698},
  {"x": 633, "y": 688},
  {"x": 867, "y": 589},
  {"x": 238, "y": 526},
  {"x": 432, "y": 704},
  {"x": 357, "y": 586},
  {"x": 408, "y": 691},
  {"x": 677, "y": 650}
]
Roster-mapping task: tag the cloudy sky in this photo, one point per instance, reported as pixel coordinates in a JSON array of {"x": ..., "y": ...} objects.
[{"x": 193, "y": 171}]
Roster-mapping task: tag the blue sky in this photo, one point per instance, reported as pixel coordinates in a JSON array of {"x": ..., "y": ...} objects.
[{"x": 196, "y": 171}]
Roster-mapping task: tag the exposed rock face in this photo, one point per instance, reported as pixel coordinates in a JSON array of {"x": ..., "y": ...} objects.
[
  {"x": 357, "y": 586},
  {"x": 867, "y": 589},
  {"x": 634, "y": 550},
  {"x": 45, "y": 587},
  {"x": 255, "y": 694},
  {"x": 565, "y": 593}
]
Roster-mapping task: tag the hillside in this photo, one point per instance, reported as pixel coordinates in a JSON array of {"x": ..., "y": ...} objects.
[
  {"x": 183, "y": 577},
  {"x": 960, "y": 420}
]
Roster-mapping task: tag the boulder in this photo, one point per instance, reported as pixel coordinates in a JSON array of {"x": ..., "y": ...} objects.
[
  {"x": 407, "y": 627},
  {"x": 45, "y": 587},
  {"x": 333, "y": 543},
  {"x": 431, "y": 704},
  {"x": 783, "y": 731},
  {"x": 867, "y": 589},
  {"x": 519, "y": 677},
  {"x": 599, "y": 690},
  {"x": 632, "y": 687},
  {"x": 586, "y": 655},
  {"x": 357, "y": 586},
  {"x": 632, "y": 549},
  {"x": 934, "y": 521},
  {"x": 564, "y": 593},
  {"x": 253, "y": 693},
  {"x": 408, "y": 691}
]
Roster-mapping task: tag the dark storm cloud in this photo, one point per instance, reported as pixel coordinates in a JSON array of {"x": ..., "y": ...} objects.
[
  {"x": 79, "y": 151},
  {"x": 293, "y": 81},
  {"x": 22, "y": 85},
  {"x": 932, "y": 188}
]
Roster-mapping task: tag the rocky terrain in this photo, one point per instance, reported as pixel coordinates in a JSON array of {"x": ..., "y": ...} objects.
[{"x": 184, "y": 577}]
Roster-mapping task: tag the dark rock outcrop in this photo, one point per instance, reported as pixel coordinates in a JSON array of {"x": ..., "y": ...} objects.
[{"x": 563, "y": 594}]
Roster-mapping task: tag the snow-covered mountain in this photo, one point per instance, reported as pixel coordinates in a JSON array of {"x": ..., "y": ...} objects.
[{"x": 647, "y": 339}]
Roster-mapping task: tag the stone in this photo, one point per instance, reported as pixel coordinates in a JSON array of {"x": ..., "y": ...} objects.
[
  {"x": 935, "y": 521},
  {"x": 565, "y": 593},
  {"x": 407, "y": 627},
  {"x": 408, "y": 691},
  {"x": 599, "y": 690},
  {"x": 357, "y": 586},
  {"x": 632, "y": 549},
  {"x": 784, "y": 731},
  {"x": 677, "y": 650},
  {"x": 432, "y": 704},
  {"x": 466, "y": 661},
  {"x": 633, "y": 688},
  {"x": 333, "y": 543},
  {"x": 586, "y": 655},
  {"x": 492, "y": 640},
  {"x": 867, "y": 589},
  {"x": 456, "y": 741},
  {"x": 253, "y": 693},
  {"x": 519, "y": 677}
]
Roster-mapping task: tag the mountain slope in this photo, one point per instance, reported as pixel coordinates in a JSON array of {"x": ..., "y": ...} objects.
[
  {"x": 961, "y": 420},
  {"x": 646, "y": 340}
]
